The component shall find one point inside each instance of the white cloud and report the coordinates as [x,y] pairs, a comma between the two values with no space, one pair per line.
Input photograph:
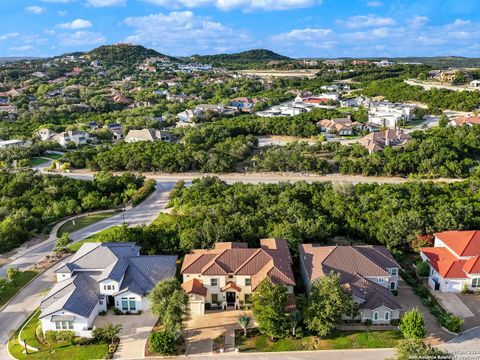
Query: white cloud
[8,36]
[417,21]
[35,9]
[75,24]
[81,38]
[184,33]
[105,3]
[62,12]
[459,23]
[374,3]
[235,4]
[365,21]
[59,1]
[309,34]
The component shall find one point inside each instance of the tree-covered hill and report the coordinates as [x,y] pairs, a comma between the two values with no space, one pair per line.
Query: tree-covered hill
[250,56]
[123,54]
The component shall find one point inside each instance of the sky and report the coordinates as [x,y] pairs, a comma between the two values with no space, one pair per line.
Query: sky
[296,28]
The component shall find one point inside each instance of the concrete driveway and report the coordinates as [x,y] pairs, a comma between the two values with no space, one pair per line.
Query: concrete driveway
[200,330]
[409,300]
[452,303]
[134,334]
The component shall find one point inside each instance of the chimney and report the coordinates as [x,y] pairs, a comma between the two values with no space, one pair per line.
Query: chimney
[387,138]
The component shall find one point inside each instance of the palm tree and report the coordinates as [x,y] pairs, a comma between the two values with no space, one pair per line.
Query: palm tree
[244,321]
[111,331]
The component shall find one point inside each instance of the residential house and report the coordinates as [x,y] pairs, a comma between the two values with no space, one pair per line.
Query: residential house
[388,114]
[454,261]
[245,104]
[474,84]
[377,141]
[72,136]
[334,62]
[369,272]
[46,134]
[465,120]
[11,143]
[227,275]
[98,277]
[360,62]
[148,135]
[384,63]
[116,129]
[340,126]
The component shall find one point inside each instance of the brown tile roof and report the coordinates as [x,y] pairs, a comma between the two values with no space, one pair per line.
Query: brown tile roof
[272,260]
[231,285]
[194,286]
[376,141]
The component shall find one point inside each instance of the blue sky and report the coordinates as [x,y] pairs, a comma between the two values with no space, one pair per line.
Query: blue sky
[298,28]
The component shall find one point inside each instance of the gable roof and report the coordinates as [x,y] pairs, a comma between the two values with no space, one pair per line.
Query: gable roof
[365,260]
[463,243]
[271,260]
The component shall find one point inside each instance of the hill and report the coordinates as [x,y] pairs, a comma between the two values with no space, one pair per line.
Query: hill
[123,54]
[254,56]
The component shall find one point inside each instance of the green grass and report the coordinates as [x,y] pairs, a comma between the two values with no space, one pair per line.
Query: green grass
[53,156]
[93,238]
[9,290]
[84,221]
[35,161]
[340,340]
[57,351]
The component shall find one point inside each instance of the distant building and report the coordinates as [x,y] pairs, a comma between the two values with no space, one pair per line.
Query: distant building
[11,143]
[388,114]
[377,141]
[148,135]
[334,62]
[384,63]
[474,84]
[465,120]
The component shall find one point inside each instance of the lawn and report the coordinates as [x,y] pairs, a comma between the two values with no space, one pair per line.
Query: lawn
[340,340]
[53,156]
[57,351]
[93,238]
[11,288]
[35,161]
[84,221]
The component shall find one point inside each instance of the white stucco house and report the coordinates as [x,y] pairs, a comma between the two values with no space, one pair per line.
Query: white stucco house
[369,272]
[98,277]
[454,261]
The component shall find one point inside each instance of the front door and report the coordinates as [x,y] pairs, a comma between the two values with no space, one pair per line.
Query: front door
[231,297]
[110,301]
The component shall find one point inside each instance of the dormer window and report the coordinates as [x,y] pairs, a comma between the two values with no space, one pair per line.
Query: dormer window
[393,271]
[213,282]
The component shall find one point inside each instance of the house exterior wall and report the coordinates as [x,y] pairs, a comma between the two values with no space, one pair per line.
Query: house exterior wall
[80,324]
[129,296]
[114,287]
[379,315]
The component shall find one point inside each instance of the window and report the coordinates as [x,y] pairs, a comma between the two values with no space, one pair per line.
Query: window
[214,298]
[476,283]
[214,282]
[64,325]
[248,282]
[375,315]
[125,305]
[104,287]
[381,280]
[133,305]
[387,315]
[393,271]
[58,325]
[230,276]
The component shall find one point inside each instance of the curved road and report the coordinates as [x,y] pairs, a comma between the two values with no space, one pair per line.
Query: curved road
[26,301]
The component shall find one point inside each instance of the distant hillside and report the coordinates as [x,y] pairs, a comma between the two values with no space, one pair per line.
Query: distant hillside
[123,54]
[245,57]
[442,62]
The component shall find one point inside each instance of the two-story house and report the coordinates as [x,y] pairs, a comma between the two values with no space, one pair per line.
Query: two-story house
[369,272]
[454,261]
[227,275]
[100,276]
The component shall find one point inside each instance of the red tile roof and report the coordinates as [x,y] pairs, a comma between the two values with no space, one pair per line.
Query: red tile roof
[445,263]
[231,285]
[272,260]
[194,286]
[463,243]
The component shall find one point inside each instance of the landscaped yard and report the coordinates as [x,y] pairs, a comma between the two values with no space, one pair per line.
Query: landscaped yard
[53,156]
[339,340]
[10,289]
[57,351]
[93,238]
[84,221]
[35,161]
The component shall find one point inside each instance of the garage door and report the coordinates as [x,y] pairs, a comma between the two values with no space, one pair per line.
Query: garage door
[197,307]
[454,286]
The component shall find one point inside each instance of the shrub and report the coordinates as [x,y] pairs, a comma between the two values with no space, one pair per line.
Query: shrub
[423,269]
[451,323]
[39,332]
[142,193]
[395,292]
[162,342]
[465,288]
[412,325]
[117,311]
[367,322]
[102,313]
[56,336]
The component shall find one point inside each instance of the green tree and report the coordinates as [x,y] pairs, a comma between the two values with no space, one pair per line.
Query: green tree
[416,349]
[412,325]
[62,242]
[423,269]
[170,303]
[327,301]
[443,120]
[269,301]
[111,332]
[244,321]
[12,274]
[162,342]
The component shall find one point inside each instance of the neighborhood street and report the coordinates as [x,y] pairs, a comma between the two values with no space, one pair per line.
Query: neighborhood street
[26,301]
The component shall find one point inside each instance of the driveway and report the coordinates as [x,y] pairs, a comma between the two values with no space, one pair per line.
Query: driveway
[200,330]
[472,302]
[452,303]
[134,334]
[409,300]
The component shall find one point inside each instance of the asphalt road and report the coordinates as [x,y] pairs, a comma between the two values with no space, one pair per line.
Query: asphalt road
[30,297]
